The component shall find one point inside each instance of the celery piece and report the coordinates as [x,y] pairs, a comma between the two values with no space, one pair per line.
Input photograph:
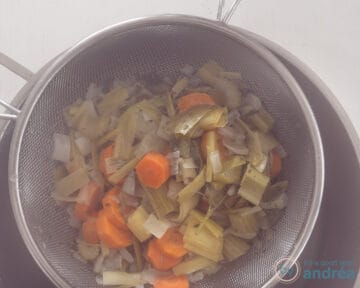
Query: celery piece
[127,126]
[234,247]
[275,190]
[71,183]
[202,242]
[255,155]
[123,171]
[186,205]
[113,101]
[218,186]
[262,120]
[122,278]
[232,171]
[161,204]
[136,222]
[192,265]
[109,136]
[201,219]
[148,107]
[244,221]
[193,187]
[253,185]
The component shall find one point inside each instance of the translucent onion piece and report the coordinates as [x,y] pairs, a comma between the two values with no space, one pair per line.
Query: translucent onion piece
[62,147]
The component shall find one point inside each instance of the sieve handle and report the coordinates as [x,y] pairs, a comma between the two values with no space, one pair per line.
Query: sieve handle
[22,72]
[229,13]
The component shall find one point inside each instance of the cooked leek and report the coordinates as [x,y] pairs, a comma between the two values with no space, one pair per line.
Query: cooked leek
[244,222]
[232,171]
[122,278]
[149,143]
[136,222]
[161,204]
[113,101]
[201,219]
[202,242]
[193,187]
[123,171]
[72,182]
[234,247]
[253,185]
[192,265]
[186,205]
[275,190]
[262,120]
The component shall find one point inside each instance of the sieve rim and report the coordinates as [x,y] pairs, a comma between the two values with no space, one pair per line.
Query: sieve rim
[49,73]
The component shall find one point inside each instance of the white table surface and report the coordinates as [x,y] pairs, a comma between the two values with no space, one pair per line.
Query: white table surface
[325,34]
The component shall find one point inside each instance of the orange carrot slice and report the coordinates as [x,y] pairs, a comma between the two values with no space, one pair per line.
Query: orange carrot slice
[153,170]
[159,259]
[194,99]
[172,243]
[110,235]
[276,164]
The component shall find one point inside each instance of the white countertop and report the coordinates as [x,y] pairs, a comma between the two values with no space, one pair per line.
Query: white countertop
[325,34]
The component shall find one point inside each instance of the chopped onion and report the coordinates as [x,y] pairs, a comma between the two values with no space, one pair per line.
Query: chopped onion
[98,264]
[247,236]
[126,255]
[281,150]
[112,262]
[262,165]
[84,145]
[188,70]
[188,163]
[163,130]
[73,220]
[232,190]
[174,189]
[156,227]
[121,278]
[174,159]
[114,121]
[112,164]
[280,202]
[84,196]
[251,103]
[132,201]
[215,161]
[94,92]
[97,177]
[129,184]
[197,276]
[237,148]
[99,280]
[62,147]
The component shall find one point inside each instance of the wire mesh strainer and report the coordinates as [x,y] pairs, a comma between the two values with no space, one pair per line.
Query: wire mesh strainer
[161,45]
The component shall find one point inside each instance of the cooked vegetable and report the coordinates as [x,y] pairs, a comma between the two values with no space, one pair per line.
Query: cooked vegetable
[275,164]
[171,243]
[110,235]
[124,170]
[244,222]
[153,170]
[161,204]
[155,226]
[159,259]
[192,265]
[122,278]
[194,99]
[171,282]
[234,247]
[253,185]
[62,147]
[72,183]
[186,168]
[203,242]
[136,222]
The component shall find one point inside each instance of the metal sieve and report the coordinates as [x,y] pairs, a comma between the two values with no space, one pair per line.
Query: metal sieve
[161,45]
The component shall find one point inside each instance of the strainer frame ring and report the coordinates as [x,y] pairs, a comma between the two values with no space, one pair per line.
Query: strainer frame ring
[49,73]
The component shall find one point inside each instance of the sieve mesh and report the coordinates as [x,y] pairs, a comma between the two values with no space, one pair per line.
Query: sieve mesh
[162,49]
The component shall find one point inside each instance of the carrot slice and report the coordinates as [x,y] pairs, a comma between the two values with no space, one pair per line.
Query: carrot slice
[194,99]
[172,243]
[171,281]
[153,170]
[87,200]
[107,152]
[110,235]
[276,164]
[111,209]
[159,259]
[88,231]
